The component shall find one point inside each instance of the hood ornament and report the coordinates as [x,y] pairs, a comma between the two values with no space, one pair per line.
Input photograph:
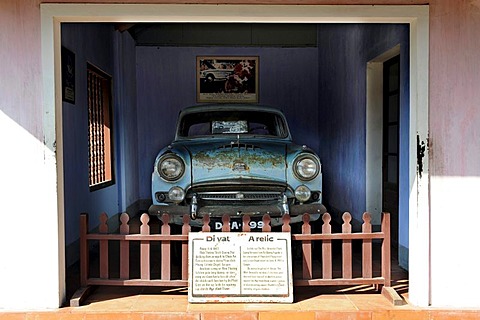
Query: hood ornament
[239,166]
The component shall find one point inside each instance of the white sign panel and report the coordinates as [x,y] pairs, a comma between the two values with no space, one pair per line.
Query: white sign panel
[240,267]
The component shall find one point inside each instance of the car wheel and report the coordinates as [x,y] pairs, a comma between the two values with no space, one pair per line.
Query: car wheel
[209,78]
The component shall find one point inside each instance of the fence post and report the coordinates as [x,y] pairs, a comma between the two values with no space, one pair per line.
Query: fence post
[246,223]
[307,248]
[144,248]
[367,247]
[185,230]
[386,248]
[326,247]
[225,223]
[165,248]
[347,247]
[124,247]
[206,223]
[286,223]
[266,223]
[103,229]
[84,254]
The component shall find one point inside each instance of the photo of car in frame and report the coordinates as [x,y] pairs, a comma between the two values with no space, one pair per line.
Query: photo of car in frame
[227,79]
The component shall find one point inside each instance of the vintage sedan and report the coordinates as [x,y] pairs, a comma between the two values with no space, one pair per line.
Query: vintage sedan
[236,160]
[211,75]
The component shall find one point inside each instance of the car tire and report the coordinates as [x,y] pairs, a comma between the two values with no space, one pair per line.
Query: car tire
[209,78]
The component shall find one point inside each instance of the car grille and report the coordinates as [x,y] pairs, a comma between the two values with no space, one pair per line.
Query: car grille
[239,196]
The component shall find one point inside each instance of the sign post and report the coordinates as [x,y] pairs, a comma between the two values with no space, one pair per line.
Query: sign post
[240,267]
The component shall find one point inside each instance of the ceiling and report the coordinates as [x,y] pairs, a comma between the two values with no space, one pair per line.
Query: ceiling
[222,34]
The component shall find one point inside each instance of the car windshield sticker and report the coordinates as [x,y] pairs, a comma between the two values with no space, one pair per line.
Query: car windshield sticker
[240,126]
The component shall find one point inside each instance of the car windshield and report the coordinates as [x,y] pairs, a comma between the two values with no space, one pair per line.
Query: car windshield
[232,122]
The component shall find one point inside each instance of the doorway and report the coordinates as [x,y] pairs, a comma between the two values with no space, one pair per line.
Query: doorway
[390,149]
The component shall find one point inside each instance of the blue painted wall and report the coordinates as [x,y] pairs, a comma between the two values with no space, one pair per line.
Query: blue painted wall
[99,45]
[344,50]
[382,38]
[321,90]
[288,80]
[125,114]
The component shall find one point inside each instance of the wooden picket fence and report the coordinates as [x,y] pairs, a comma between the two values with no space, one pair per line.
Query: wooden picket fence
[164,277]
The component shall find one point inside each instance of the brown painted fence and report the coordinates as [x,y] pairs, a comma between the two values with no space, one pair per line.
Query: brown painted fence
[307,242]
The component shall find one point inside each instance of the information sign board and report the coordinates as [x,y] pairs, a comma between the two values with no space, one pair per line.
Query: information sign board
[240,267]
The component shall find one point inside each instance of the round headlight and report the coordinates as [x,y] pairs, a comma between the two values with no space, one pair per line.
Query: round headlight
[176,194]
[171,167]
[306,167]
[302,193]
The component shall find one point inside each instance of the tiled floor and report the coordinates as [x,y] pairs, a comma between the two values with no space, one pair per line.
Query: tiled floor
[327,303]
[307,299]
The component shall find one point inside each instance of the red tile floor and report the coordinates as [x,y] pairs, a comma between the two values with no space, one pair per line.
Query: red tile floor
[321,303]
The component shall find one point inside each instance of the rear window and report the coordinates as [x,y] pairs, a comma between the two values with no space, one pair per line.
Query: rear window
[232,123]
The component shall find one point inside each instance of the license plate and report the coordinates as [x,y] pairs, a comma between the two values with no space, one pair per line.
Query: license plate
[256,224]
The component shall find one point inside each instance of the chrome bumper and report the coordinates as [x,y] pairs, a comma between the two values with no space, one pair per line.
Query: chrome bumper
[276,212]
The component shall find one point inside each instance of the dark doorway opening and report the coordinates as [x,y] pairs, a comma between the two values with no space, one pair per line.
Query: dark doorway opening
[390,176]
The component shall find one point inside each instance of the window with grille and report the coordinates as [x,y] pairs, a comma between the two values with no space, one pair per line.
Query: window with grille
[100,169]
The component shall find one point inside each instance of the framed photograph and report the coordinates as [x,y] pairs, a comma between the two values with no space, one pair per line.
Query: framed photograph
[68,75]
[227,79]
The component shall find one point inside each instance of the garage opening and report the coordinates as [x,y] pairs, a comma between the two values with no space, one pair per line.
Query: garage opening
[328,134]
[304,69]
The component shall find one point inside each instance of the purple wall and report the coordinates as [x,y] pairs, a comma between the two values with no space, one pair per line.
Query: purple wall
[288,80]
[321,90]
[125,92]
[92,43]
[99,45]
[344,50]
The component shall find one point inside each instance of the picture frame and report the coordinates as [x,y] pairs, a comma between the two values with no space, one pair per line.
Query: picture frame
[68,76]
[227,79]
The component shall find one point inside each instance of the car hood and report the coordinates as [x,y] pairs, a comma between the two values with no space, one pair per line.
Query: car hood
[234,159]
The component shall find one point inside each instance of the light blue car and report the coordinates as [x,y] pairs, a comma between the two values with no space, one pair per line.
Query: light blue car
[238,160]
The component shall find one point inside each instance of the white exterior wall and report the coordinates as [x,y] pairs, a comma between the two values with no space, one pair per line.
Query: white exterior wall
[31,253]
[455,153]
[30,224]
[455,257]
